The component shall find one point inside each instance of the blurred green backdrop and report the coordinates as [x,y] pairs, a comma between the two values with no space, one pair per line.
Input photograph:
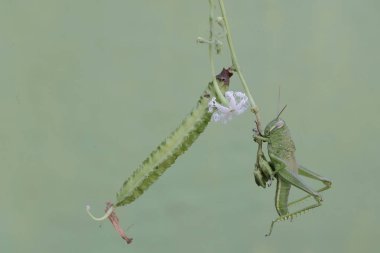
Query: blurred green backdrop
[89,88]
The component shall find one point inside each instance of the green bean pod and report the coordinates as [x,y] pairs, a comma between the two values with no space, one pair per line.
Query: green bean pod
[173,146]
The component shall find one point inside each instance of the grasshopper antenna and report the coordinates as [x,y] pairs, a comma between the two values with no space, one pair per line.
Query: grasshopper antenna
[278,115]
[278,99]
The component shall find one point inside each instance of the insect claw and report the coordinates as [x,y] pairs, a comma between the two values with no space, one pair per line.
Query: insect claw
[318,198]
[269,183]
[271,227]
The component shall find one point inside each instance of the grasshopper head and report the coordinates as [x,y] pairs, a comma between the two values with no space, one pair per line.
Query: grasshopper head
[275,125]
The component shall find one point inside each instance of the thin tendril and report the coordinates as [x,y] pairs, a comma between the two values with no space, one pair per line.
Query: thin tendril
[105,216]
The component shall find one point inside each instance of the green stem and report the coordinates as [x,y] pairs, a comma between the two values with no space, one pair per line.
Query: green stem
[236,67]
[219,94]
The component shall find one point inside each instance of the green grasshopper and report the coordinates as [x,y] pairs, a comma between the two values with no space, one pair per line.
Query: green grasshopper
[284,167]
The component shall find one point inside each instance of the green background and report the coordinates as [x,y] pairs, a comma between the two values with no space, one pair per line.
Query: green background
[89,88]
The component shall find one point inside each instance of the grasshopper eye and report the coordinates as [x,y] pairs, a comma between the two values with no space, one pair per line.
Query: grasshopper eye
[279,124]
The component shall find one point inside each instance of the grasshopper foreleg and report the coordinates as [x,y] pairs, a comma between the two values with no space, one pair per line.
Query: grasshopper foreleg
[263,171]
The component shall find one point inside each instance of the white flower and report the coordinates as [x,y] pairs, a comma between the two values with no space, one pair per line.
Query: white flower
[237,104]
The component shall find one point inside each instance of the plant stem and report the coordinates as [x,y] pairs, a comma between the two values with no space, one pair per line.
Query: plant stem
[219,94]
[236,67]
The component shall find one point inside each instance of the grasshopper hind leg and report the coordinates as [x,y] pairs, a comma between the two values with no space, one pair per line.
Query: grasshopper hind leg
[302,171]
[292,215]
[286,178]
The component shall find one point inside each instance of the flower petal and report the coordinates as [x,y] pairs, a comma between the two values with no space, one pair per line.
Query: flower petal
[237,104]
